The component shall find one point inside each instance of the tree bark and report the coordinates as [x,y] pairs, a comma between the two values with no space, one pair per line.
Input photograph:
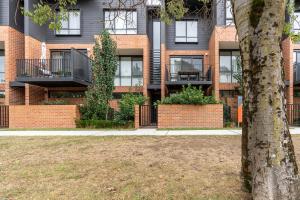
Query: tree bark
[269,166]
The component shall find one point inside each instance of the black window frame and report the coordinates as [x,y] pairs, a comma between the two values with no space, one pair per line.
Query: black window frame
[231,66]
[186,37]
[68,29]
[113,31]
[296,21]
[228,20]
[2,54]
[119,76]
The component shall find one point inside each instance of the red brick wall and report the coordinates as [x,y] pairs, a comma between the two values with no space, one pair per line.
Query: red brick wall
[136,116]
[190,116]
[43,116]
[34,95]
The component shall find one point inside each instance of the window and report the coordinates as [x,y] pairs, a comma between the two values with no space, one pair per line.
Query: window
[296,59]
[66,94]
[2,94]
[71,25]
[121,22]
[185,63]
[229,16]
[129,71]
[2,66]
[228,66]
[296,23]
[186,31]
[153,2]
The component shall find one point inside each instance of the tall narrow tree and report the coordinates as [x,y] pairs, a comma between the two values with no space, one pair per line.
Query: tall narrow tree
[104,65]
[269,163]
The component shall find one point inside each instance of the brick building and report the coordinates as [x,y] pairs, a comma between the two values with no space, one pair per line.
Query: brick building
[156,59]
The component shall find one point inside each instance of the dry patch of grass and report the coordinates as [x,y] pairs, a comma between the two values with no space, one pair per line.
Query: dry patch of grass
[139,168]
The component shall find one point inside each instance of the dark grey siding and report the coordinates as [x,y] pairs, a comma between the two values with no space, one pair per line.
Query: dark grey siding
[16,19]
[4,12]
[92,17]
[221,12]
[204,32]
[31,29]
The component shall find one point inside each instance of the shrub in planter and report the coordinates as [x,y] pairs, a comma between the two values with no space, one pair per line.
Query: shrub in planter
[126,106]
[189,95]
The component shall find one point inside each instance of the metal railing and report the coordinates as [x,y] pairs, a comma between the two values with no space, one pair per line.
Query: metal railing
[186,74]
[77,66]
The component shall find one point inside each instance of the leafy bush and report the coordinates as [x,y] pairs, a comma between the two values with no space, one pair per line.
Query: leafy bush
[126,106]
[189,95]
[102,124]
[56,102]
[98,112]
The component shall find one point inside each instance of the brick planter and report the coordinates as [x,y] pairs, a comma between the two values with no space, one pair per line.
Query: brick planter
[190,116]
[43,116]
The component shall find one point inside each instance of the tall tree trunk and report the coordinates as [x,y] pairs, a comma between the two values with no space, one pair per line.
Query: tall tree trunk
[268,158]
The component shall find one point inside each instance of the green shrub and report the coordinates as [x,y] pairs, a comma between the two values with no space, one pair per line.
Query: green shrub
[126,106]
[189,95]
[56,102]
[98,112]
[102,124]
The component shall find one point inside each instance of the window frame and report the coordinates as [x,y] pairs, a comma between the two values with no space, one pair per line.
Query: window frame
[119,76]
[2,51]
[186,36]
[70,29]
[228,20]
[231,66]
[113,30]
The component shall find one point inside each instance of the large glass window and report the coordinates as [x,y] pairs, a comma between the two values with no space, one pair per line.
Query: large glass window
[2,66]
[296,59]
[121,21]
[70,26]
[229,16]
[296,23]
[186,31]
[185,64]
[229,66]
[129,71]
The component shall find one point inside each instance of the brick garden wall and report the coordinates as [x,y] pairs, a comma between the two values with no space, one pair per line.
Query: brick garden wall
[43,116]
[190,116]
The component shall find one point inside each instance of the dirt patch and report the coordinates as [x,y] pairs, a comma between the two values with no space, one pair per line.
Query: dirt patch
[158,168]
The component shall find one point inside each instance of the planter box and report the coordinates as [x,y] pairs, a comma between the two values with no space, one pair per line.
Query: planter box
[43,116]
[190,116]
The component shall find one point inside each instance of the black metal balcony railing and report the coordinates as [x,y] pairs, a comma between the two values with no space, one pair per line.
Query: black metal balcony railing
[77,67]
[186,75]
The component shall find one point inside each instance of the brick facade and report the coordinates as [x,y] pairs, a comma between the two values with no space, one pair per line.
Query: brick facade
[43,116]
[190,116]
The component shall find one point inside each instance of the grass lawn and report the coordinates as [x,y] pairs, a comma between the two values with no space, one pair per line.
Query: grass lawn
[138,168]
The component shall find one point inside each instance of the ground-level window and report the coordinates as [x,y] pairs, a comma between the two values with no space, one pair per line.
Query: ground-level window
[2,66]
[296,59]
[229,65]
[129,71]
[66,94]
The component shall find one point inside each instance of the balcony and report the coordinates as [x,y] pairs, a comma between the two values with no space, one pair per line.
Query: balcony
[185,76]
[72,71]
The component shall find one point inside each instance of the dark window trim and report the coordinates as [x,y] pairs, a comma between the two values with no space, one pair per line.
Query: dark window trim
[231,70]
[132,76]
[80,21]
[186,37]
[126,29]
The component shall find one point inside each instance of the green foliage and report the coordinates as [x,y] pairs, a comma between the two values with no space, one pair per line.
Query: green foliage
[103,124]
[126,105]
[56,102]
[104,67]
[189,95]
[46,13]
[239,74]
[174,9]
